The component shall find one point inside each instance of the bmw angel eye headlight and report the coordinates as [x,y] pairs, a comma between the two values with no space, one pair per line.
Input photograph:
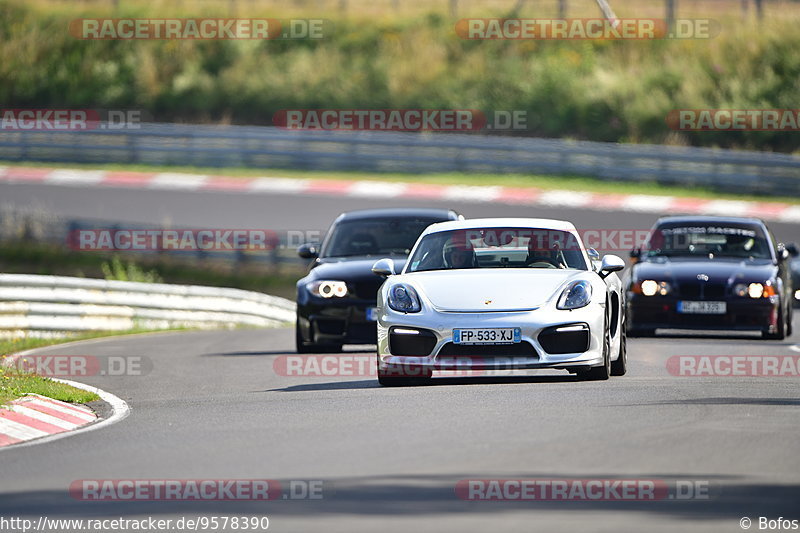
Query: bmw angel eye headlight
[328,288]
[651,288]
[404,298]
[754,290]
[576,295]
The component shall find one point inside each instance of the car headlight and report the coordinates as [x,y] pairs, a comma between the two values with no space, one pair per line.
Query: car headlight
[327,288]
[404,298]
[577,294]
[651,288]
[797,294]
[754,290]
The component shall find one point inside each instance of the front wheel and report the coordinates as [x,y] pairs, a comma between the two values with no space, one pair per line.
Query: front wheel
[398,376]
[789,319]
[620,366]
[780,330]
[602,372]
[304,347]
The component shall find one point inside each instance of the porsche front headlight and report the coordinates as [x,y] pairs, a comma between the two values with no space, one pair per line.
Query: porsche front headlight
[404,298]
[575,295]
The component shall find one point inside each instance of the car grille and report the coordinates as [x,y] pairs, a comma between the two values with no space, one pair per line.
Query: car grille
[702,291]
[561,342]
[419,345]
[519,349]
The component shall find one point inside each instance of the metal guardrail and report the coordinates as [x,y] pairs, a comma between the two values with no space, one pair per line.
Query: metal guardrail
[32,304]
[268,147]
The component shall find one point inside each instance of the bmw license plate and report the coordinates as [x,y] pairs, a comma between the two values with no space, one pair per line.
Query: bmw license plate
[702,308]
[372,314]
[486,336]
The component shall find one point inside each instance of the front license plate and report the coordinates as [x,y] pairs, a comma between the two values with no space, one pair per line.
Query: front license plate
[486,336]
[372,314]
[702,308]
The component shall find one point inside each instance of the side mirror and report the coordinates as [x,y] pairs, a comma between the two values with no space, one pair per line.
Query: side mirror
[792,249]
[610,263]
[383,268]
[594,257]
[308,251]
[783,253]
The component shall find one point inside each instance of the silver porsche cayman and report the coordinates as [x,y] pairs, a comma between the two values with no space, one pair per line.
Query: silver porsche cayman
[501,293]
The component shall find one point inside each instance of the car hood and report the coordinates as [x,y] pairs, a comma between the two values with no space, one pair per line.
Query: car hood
[351,268]
[491,290]
[719,270]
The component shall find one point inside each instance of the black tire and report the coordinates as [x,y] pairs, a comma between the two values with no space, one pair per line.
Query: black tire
[390,378]
[299,345]
[780,333]
[789,319]
[307,347]
[602,372]
[620,366]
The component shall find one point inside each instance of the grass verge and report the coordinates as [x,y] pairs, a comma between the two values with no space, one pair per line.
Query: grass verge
[544,182]
[15,383]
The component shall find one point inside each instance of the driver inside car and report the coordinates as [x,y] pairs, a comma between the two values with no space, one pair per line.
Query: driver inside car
[459,256]
[540,257]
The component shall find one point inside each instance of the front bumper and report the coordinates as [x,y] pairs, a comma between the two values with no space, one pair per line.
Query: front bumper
[529,353]
[652,312]
[337,322]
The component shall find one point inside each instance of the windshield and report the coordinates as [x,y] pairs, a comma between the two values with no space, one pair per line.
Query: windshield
[730,240]
[498,248]
[373,237]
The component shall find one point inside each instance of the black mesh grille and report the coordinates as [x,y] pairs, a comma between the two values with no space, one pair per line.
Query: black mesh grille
[559,342]
[702,291]
[418,345]
[519,349]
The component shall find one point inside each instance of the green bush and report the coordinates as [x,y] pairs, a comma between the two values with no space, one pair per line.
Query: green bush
[599,90]
[116,270]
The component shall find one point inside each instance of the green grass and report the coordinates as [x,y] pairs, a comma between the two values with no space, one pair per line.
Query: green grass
[545,182]
[14,384]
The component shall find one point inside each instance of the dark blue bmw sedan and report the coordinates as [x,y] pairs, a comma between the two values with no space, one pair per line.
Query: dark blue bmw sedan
[711,273]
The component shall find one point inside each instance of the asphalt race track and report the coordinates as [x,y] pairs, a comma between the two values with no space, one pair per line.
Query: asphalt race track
[212,406]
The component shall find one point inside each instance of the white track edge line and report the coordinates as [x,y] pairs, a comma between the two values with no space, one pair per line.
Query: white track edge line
[119,411]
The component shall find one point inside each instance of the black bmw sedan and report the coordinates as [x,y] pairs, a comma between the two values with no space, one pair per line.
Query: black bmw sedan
[711,273]
[336,300]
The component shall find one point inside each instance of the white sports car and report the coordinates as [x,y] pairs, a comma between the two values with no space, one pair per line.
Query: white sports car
[500,293]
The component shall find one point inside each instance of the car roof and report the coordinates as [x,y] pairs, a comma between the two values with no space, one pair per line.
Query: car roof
[472,223]
[398,212]
[687,219]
